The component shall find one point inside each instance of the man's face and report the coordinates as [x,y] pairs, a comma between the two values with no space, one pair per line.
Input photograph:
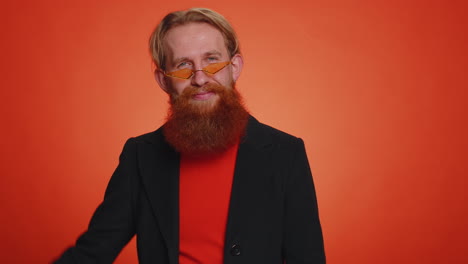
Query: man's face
[206,115]
[195,45]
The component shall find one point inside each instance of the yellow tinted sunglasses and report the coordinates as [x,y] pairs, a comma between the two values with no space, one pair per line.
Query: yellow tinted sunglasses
[188,73]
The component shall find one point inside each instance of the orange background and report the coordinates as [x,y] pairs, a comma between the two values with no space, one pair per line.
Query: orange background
[377,89]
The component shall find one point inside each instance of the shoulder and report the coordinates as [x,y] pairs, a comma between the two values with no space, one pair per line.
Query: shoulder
[153,137]
[143,141]
[260,132]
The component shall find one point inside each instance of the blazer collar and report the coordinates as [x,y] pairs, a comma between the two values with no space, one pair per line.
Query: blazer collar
[255,136]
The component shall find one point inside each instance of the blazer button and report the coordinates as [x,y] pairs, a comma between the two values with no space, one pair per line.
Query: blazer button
[235,250]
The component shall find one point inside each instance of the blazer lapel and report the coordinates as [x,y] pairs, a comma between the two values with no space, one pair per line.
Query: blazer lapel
[251,161]
[159,165]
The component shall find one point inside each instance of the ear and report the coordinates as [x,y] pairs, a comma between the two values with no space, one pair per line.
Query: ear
[161,79]
[237,63]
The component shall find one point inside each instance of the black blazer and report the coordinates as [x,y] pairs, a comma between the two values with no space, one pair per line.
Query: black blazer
[272,217]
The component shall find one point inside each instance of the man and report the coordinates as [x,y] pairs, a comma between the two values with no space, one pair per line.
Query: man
[213,185]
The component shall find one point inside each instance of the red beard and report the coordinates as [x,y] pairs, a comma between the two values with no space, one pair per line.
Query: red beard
[205,128]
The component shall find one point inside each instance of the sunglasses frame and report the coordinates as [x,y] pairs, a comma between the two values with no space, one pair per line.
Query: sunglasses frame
[204,69]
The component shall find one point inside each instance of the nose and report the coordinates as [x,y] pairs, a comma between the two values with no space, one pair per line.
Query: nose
[199,78]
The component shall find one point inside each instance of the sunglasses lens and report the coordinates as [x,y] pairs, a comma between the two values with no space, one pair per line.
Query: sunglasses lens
[187,73]
[215,67]
[182,74]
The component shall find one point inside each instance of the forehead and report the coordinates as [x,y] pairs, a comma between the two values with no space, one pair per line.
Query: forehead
[192,40]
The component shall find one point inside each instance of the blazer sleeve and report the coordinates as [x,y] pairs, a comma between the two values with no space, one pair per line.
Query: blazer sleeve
[112,224]
[303,240]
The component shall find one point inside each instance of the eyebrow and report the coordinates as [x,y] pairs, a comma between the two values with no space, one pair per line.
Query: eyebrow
[212,52]
[178,60]
[206,54]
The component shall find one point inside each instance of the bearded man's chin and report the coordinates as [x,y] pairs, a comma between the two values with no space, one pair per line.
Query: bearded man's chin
[205,127]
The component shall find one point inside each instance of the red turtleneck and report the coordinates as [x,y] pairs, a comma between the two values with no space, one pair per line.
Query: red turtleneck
[205,190]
